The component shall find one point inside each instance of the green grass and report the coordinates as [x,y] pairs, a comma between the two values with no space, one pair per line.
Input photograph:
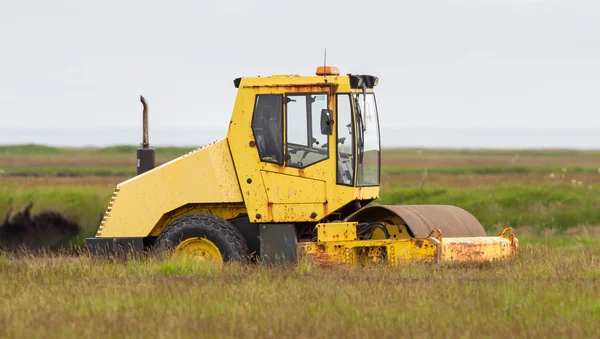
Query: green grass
[551,291]
[492,169]
[490,152]
[35,149]
[70,171]
[128,170]
[543,207]
[167,151]
[30,149]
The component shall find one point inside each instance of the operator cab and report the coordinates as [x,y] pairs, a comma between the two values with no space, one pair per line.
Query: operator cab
[294,128]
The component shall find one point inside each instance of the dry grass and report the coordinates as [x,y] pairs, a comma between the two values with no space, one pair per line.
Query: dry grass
[552,290]
[471,160]
[82,157]
[106,181]
[63,161]
[39,161]
[389,180]
[395,180]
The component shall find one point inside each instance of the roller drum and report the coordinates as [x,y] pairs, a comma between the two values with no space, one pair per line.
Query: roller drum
[420,220]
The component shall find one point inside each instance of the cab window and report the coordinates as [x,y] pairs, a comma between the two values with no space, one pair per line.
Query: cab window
[345,146]
[267,126]
[304,141]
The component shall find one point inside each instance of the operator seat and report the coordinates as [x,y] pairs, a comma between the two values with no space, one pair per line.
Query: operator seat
[273,133]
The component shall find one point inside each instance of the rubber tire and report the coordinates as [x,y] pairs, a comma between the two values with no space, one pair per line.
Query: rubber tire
[222,233]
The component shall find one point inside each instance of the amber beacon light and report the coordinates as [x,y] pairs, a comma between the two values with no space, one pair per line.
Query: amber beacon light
[328,70]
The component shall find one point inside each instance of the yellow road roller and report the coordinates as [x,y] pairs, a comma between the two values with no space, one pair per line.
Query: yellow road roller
[296,176]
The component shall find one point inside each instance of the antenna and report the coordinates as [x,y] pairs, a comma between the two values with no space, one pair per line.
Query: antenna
[325,66]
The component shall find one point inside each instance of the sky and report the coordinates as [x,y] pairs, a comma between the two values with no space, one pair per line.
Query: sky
[441,64]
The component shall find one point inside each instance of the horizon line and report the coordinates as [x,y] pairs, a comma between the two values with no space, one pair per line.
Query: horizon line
[382,127]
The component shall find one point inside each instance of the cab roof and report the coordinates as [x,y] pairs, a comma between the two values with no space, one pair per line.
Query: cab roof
[324,76]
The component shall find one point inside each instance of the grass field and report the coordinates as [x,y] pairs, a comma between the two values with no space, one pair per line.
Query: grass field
[553,290]
[551,198]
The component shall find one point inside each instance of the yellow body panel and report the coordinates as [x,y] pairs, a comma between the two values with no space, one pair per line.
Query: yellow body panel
[206,175]
[337,231]
[287,189]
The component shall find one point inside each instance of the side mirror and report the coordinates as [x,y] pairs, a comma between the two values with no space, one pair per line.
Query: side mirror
[326,122]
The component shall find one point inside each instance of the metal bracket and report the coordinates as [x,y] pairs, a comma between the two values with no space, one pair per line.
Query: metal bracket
[433,234]
[511,236]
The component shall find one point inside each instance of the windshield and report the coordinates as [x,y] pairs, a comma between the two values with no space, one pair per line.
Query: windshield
[368,141]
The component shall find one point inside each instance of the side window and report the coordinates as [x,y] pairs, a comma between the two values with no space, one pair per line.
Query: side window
[345,146]
[267,127]
[305,143]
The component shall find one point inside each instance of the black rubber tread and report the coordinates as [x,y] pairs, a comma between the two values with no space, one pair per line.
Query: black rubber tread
[222,233]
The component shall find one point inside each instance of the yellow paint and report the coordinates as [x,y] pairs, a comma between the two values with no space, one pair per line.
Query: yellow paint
[336,231]
[206,175]
[412,250]
[367,252]
[288,189]
[400,252]
[200,249]
[475,249]
[479,249]
[395,228]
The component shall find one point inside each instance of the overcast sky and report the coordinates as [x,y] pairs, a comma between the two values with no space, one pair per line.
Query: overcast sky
[463,63]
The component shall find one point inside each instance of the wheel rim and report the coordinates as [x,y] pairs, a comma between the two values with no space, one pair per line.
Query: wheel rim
[200,249]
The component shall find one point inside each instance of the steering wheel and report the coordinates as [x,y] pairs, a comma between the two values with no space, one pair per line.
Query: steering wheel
[340,140]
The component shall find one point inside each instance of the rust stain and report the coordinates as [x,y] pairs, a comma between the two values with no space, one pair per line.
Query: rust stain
[292,192]
[478,250]
[322,256]
[419,243]
[310,87]
[270,210]
[333,88]
[301,172]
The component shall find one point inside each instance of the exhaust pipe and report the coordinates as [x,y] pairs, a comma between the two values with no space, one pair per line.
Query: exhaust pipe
[145,155]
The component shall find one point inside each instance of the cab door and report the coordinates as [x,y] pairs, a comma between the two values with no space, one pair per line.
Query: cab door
[287,167]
